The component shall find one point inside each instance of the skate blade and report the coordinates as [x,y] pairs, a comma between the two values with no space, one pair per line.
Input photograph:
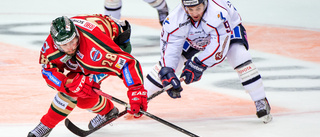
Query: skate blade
[267,118]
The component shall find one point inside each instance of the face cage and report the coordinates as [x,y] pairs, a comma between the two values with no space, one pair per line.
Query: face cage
[59,47]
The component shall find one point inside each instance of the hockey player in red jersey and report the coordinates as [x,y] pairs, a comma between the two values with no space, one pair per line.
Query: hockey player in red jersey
[82,47]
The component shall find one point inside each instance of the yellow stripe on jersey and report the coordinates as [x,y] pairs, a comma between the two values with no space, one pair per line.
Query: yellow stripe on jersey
[61,102]
[100,106]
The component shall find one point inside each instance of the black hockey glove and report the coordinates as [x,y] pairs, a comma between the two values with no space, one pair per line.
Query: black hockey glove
[168,77]
[193,70]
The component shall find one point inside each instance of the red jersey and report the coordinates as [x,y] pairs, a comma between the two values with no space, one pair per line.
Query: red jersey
[97,53]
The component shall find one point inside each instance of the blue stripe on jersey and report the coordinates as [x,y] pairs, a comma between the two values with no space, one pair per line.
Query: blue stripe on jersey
[127,75]
[51,77]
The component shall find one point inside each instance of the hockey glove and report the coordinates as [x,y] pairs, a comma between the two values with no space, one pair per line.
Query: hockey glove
[193,70]
[138,100]
[83,86]
[168,77]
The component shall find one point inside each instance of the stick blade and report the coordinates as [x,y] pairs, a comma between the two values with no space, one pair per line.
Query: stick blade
[74,129]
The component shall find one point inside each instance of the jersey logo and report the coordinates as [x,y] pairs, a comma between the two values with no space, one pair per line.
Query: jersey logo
[59,102]
[80,54]
[166,21]
[51,77]
[89,26]
[95,54]
[219,55]
[127,75]
[83,23]
[120,63]
[221,16]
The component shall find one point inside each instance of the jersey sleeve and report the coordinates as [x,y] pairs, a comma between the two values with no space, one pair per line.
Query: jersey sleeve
[52,70]
[173,36]
[172,46]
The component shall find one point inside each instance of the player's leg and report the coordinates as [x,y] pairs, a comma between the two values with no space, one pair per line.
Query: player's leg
[113,8]
[60,108]
[161,7]
[240,59]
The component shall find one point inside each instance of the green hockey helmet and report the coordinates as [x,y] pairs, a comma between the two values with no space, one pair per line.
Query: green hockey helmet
[63,31]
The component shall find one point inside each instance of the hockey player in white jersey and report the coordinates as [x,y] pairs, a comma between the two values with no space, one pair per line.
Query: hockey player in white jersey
[199,34]
[113,8]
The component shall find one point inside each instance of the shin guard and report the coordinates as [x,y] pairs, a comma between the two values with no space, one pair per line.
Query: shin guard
[60,108]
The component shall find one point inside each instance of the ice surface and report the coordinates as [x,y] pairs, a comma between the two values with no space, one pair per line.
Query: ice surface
[292,85]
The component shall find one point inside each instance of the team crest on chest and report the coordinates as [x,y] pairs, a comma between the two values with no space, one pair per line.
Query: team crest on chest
[95,54]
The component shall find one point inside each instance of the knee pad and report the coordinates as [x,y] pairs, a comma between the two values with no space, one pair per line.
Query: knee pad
[237,54]
[87,103]
[158,4]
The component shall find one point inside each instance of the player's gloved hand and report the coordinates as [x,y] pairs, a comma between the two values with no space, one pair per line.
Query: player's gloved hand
[83,86]
[193,70]
[138,100]
[168,77]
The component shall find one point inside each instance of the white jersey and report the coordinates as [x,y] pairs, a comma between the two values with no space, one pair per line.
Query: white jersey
[211,35]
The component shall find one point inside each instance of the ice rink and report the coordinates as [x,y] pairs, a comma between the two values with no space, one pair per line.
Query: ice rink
[284,39]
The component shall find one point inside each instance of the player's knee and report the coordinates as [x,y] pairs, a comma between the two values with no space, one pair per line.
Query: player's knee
[87,103]
[237,54]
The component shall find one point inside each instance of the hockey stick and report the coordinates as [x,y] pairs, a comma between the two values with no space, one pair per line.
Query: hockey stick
[148,114]
[82,133]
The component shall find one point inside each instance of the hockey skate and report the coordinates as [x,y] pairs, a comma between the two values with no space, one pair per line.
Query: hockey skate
[40,131]
[100,120]
[163,13]
[263,110]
